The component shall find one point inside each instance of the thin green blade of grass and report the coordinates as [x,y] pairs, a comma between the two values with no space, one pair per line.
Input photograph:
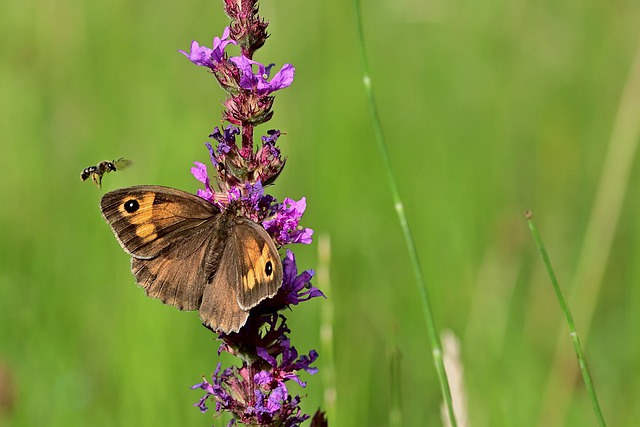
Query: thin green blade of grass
[406,231]
[575,338]
[599,233]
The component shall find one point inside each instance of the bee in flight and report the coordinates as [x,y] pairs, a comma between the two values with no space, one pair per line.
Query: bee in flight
[106,166]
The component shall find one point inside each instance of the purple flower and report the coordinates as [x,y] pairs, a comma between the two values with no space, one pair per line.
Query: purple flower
[262,399]
[212,154]
[255,196]
[296,288]
[271,402]
[277,398]
[269,154]
[271,138]
[226,140]
[284,226]
[289,364]
[210,58]
[200,173]
[258,82]
[257,392]
[215,389]
[251,201]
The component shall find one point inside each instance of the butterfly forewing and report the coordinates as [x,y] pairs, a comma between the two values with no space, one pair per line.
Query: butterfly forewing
[169,235]
[144,217]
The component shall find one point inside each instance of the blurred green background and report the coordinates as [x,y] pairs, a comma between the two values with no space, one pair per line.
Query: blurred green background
[490,108]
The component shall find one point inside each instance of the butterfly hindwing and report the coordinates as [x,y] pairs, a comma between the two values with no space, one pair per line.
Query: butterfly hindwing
[259,265]
[220,310]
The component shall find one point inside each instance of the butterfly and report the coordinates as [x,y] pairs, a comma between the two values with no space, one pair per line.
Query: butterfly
[188,253]
[105,166]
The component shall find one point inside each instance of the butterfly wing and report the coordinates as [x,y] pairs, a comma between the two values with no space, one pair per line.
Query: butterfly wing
[219,309]
[187,254]
[250,271]
[258,263]
[175,238]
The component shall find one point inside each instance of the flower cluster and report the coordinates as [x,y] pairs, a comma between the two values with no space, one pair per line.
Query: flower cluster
[247,81]
[256,392]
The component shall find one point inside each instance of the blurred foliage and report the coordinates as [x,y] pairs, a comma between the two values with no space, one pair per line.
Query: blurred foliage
[490,108]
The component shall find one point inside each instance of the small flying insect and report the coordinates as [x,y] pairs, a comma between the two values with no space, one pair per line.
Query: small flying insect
[106,166]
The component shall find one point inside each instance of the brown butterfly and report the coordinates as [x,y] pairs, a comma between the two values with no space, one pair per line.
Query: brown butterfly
[105,166]
[187,253]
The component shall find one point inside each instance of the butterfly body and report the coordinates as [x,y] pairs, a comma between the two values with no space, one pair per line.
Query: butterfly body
[189,254]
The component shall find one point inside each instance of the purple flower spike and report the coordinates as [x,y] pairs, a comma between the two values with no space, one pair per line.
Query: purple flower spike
[256,391]
[206,57]
[259,82]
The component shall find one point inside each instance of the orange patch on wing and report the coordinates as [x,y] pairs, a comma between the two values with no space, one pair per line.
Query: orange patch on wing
[249,281]
[144,212]
[147,232]
[257,258]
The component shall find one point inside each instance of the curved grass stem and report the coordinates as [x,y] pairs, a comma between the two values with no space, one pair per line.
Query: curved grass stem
[399,208]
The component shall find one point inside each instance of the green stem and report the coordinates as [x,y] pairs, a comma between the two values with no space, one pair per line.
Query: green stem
[595,251]
[575,339]
[413,254]
[327,327]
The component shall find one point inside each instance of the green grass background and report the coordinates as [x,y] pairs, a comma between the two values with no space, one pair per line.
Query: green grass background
[490,108]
